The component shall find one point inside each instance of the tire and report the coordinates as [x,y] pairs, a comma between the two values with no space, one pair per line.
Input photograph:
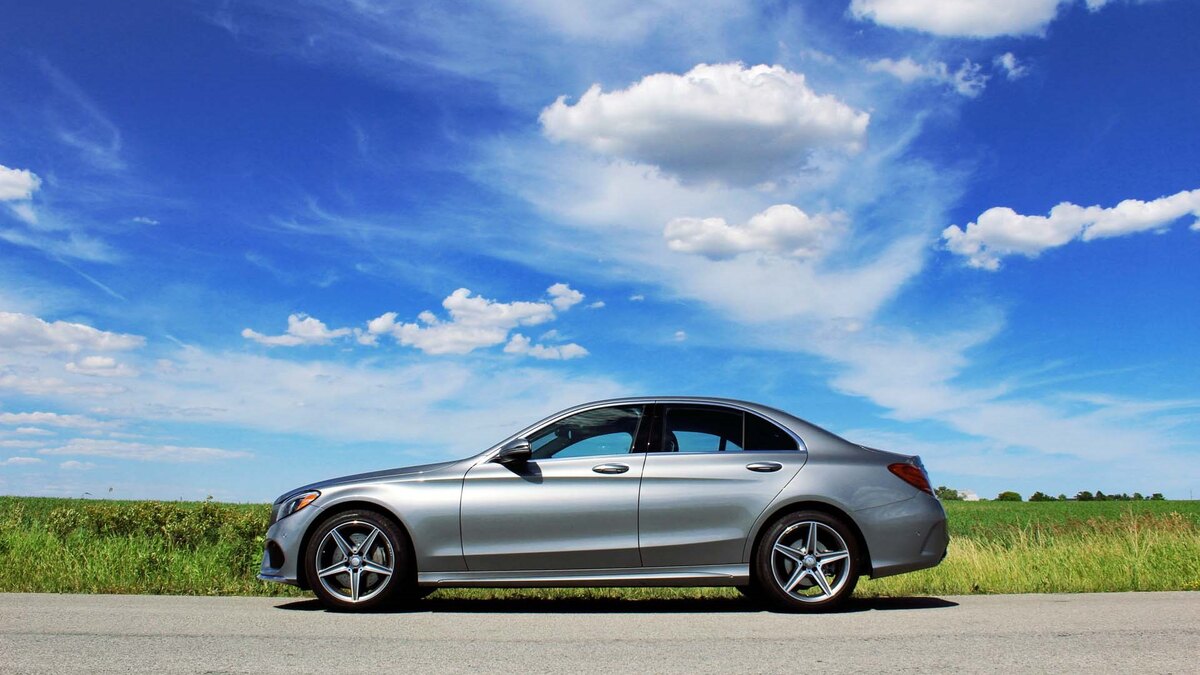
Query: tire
[363,544]
[789,576]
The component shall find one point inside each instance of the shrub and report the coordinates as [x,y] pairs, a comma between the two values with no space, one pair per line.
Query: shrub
[1008,496]
[947,494]
[1040,497]
[64,520]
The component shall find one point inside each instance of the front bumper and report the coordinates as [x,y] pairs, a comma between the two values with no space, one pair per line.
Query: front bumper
[282,549]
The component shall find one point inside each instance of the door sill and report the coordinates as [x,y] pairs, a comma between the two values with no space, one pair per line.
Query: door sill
[697,575]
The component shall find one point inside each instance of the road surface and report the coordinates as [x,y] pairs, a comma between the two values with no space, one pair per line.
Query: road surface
[1142,632]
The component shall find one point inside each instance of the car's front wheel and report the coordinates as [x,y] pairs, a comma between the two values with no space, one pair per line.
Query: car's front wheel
[807,561]
[358,560]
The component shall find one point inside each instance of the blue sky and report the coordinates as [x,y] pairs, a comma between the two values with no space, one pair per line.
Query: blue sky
[246,245]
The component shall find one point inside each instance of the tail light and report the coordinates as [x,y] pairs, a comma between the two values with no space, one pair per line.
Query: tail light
[912,474]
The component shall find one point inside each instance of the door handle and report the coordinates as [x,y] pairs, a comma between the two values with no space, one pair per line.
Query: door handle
[610,468]
[764,467]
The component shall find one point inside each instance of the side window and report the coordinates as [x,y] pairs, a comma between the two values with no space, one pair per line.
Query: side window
[606,431]
[697,429]
[763,435]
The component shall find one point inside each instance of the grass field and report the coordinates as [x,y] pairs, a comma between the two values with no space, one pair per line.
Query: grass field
[91,546]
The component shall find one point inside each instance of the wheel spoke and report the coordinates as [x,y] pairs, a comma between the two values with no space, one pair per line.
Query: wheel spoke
[832,557]
[797,577]
[819,575]
[342,544]
[372,566]
[790,552]
[336,568]
[811,546]
[365,547]
[355,576]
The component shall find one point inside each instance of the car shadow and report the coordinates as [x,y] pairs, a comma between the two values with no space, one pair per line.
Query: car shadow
[535,605]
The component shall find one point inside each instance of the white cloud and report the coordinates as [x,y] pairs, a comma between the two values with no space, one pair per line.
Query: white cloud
[51,419]
[1010,66]
[25,333]
[76,465]
[380,325]
[19,461]
[17,184]
[722,122]
[679,336]
[563,297]
[637,297]
[519,344]
[301,330]
[1001,231]
[969,18]
[32,431]
[475,322]
[961,18]
[100,366]
[782,230]
[144,220]
[968,79]
[146,452]
[599,304]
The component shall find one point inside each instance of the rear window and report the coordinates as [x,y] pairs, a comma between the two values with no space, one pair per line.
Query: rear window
[764,435]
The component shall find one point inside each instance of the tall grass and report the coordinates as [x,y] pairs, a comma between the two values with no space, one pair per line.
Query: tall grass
[206,548]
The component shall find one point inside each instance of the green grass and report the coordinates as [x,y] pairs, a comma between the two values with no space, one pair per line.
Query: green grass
[93,546]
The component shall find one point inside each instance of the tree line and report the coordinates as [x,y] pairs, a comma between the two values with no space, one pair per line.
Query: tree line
[950,494]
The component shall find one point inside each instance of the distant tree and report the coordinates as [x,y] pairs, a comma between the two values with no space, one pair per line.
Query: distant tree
[1040,497]
[1084,496]
[1137,497]
[1157,497]
[948,494]
[1062,497]
[1008,496]
[1101,497]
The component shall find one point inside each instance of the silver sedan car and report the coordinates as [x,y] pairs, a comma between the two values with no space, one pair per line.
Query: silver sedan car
[632,492]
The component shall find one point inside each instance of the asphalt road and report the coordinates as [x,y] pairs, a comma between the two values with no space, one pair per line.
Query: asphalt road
[1143,632]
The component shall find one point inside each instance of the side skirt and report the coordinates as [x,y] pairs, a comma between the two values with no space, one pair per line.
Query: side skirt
[700,575]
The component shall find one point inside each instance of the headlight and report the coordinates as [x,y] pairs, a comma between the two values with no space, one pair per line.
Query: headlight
[297,502]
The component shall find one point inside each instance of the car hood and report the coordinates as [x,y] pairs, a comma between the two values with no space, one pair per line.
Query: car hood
[370,476]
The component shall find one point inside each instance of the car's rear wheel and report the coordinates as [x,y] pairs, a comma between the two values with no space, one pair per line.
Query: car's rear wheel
[359,560]
[807,561]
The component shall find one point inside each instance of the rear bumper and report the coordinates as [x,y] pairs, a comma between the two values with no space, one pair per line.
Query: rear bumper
[906,536]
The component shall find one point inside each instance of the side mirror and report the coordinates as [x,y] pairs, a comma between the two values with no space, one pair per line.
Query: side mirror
[515,451]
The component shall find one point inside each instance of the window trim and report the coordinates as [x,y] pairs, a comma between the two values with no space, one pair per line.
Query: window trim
[641,425]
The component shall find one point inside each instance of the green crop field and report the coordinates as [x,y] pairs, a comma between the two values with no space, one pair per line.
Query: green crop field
[94,546]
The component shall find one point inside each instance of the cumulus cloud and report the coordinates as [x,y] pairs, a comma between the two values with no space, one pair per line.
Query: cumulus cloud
[100,366]
[475,321]
[28,334]
[145,452]
[1012,68]
[76,465]
[960,18]
[520,344]
[722,122]
[17,184]
[301,330]
[1001,231]
[968,18]
[968,79]
[50,419]
[782,230]
[563,297]
[19,461]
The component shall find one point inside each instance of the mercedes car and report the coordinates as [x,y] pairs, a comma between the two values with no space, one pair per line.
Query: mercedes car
[656,491]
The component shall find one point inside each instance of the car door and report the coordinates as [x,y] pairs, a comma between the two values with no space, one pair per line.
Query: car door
[572,505]
[702,489]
